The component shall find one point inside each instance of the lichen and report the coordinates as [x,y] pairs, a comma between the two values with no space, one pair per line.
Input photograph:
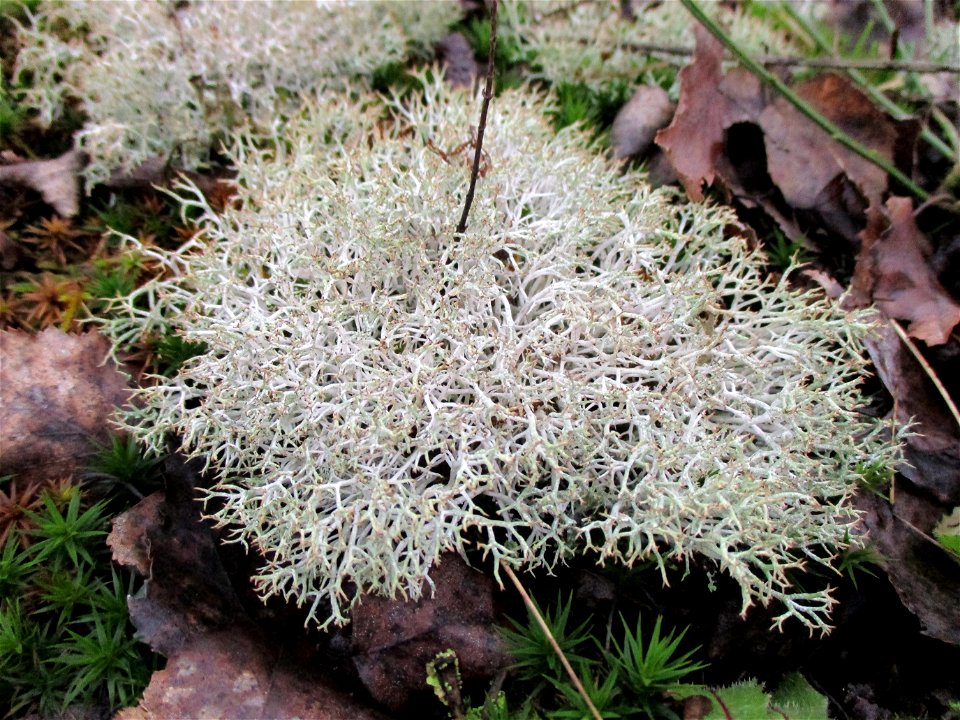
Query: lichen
[170,79]
[593,44]
[595,367]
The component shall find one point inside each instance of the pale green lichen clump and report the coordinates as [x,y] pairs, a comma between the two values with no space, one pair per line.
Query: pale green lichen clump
[168,79]
[592,43]
[593,367]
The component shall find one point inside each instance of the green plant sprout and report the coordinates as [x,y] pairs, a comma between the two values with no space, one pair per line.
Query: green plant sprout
[123,462]
[533,653]
[65,635]
[947,532]
[443,676]
[875,477]
[604,696]
[653,667]
[785,253]
[793,699]
[60,536]
[104,653]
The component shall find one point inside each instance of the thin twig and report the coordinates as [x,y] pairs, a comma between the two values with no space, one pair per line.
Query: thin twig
[917,66]
[915,351]
[800,104]
[553,642]
[487,94]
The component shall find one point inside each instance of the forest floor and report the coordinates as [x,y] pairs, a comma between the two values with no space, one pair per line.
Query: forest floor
[894,651]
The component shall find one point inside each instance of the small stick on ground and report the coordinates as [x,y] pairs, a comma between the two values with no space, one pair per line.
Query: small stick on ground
[552,640]
[487,94]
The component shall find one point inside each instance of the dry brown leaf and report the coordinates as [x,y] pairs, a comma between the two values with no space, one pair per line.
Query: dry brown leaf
[228,674]
[803,161]
[893,271]
[220,664]
[393,640]
[56,180]
[925,576]
[728,127]
[644,114]
[128,538]
[710,102]
[933,448]
[57,394]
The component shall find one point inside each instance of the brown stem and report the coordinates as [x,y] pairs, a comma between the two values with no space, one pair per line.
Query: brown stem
[487,94]
[918,66]
[528,601]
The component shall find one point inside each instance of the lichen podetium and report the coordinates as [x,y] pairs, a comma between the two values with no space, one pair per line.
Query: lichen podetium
[593,367]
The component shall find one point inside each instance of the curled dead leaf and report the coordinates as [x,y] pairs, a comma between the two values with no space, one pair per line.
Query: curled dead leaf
[894,272]
[56,180]
[926,578]
[647,111]
[393,640]
[729,127]
[803,161]
[933,447]
[710,102]
[219,662]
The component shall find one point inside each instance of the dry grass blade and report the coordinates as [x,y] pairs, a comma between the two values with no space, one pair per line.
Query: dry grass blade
[915,351]
[553,641]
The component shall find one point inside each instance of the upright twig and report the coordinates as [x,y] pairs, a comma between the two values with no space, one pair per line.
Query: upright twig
[800,104]
[487,94]
[551,639]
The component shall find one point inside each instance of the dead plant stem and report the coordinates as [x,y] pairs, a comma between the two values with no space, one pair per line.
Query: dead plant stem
[915,351]
[552,640]
[487,94]
[917,66]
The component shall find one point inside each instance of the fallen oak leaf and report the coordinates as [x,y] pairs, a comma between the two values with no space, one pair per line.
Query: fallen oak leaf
[733,128]
[803,161]
[56,180]
[893,272]
[710,102]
